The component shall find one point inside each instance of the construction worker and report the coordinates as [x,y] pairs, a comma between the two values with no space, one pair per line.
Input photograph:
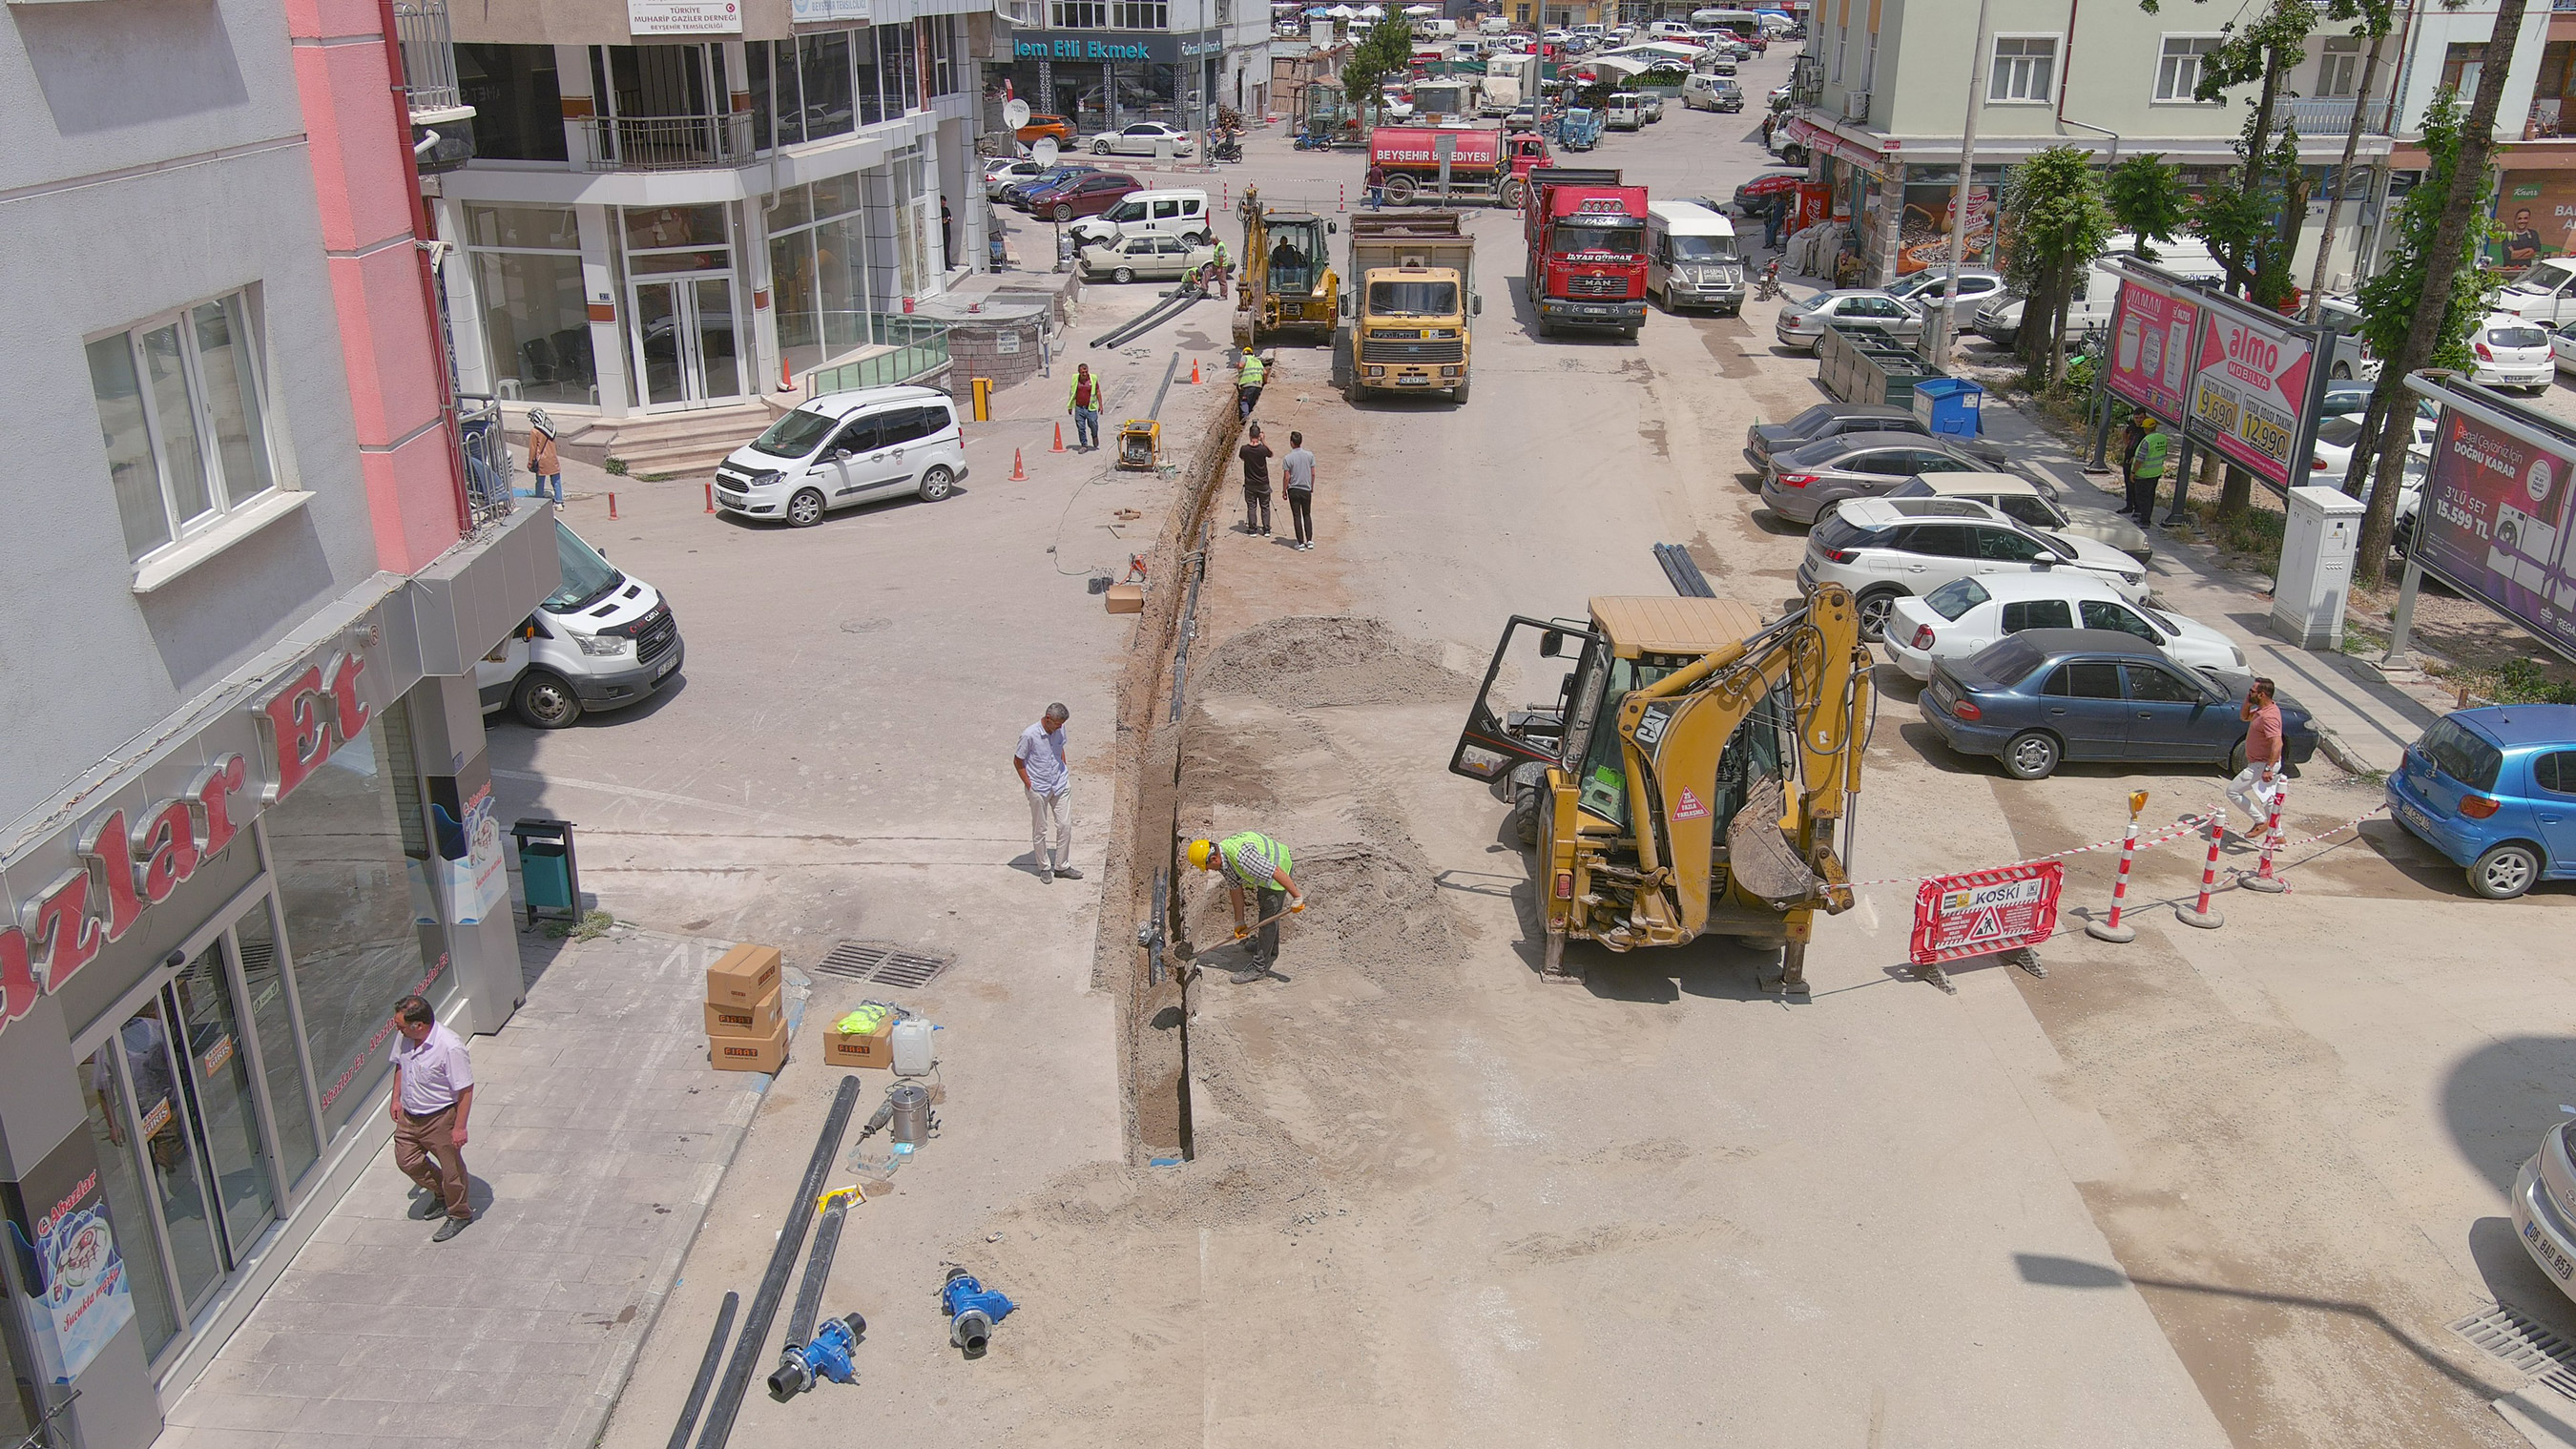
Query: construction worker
[2147,469]
[1249,374]
[1256,863]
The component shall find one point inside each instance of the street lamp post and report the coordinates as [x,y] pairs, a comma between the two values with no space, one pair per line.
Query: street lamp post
[1942,325]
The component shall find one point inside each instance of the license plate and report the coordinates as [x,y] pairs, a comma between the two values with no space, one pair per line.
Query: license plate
[2547,1251]
[1413,382]
[667,666]
[2415,818]
[727,500]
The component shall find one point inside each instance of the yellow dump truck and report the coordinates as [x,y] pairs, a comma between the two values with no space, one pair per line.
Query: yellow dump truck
[1411,293]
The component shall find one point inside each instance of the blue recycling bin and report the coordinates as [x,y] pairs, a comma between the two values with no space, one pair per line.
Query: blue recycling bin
[1949,405]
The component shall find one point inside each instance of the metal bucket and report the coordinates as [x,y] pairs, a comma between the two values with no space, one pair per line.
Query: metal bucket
[912,1119]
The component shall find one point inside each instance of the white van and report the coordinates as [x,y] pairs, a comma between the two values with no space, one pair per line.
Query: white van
[1495,25]
[1691,260]
[846,448]
[1712,93]
[601,640]
[1435,29]
[1179,214]
[1626,112]
[2090,311]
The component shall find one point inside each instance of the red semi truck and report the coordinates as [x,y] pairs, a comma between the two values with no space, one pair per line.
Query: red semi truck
[1587,249]
[1484,164]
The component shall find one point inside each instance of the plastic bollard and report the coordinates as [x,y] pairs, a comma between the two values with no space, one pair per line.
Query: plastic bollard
[2111,930]
[2201,915]
[2262,879]
[612,505]
[711,498]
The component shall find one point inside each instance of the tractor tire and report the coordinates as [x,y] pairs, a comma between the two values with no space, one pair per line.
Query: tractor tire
[1528,798]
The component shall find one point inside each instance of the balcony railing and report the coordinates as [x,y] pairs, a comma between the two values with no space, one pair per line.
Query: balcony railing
[487,458]
[920,349]
[429,59]
[2319,119]
[667,143]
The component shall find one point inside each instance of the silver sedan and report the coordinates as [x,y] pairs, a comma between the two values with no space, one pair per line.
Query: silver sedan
[1801,483]
[1854,310]
[1142,139]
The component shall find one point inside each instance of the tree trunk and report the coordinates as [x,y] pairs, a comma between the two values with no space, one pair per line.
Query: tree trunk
[2294,220]
[2441,275]
[2258,148]
[2238,493]
[2365,446]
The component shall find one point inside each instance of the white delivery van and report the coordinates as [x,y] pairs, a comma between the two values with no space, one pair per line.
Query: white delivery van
[1999,320]
[1495,25]
[1626,112]
[1691,260]
[602,640]
[1435,29]
[846,448]
[1712,93]
[1182,215]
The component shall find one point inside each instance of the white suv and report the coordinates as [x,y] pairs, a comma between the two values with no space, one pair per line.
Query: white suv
[1883,549]
[845,448]
[1963,616]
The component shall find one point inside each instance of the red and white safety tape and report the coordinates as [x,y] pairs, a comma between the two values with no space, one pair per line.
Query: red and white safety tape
[2188,825]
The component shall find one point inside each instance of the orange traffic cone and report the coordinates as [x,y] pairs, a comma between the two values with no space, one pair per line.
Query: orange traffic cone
[1059,439]
[1019,473]
[1194,371]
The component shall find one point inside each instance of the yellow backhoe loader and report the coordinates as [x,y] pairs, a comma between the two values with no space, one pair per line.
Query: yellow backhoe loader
[1286,276]
[1689,776]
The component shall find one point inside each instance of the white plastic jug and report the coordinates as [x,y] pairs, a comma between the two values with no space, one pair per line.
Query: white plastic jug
[913,1056]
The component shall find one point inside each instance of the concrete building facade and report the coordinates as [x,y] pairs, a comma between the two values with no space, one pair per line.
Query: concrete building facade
[247,769]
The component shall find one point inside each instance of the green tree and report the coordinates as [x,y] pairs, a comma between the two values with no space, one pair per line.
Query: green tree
[2058,222]
[2147,200]
[1385,49]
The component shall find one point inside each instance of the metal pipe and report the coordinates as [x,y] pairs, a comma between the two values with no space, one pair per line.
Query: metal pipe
[773,1284]
[706,1373]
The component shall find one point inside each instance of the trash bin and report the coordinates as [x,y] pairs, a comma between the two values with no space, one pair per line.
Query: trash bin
[549,874]
[1949,405]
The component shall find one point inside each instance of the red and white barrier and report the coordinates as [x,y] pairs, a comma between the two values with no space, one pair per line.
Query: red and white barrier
[2201,915]
[2111,930]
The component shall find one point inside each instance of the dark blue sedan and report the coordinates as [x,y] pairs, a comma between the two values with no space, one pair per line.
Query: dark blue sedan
[2044,696]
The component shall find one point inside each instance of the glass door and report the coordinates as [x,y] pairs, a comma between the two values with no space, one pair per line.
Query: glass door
[226,1115]
[684,341]
[158,1119]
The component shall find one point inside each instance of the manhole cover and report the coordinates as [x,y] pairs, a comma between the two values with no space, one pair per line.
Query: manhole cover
[880,964]
[2523,1343]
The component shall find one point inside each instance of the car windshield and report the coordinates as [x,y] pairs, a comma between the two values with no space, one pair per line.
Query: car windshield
[1413,299]
[1806,423]
[586,575]
[1620,237]
[2459,752]
[2546,277]
[1956,597]
[1703,248]
[794,435]
[2008,662]
[2339,431]
[2518,336]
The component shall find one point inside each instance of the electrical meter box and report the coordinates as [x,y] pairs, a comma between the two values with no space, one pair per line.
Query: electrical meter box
[2317,550]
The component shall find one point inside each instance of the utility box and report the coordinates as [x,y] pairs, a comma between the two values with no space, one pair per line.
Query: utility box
[2317,549]
[1951,405]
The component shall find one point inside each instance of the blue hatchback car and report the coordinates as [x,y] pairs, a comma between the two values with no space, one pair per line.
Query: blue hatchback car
[2495,790]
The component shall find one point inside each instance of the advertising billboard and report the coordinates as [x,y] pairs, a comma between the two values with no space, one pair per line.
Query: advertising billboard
[2254,392]
[2151,340]
[2496,523]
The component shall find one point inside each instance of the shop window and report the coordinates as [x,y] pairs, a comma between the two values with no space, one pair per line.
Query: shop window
[181,407]
[528,282]
[818,272]
[518,105]
[1140,15]
[2024,70]
[1081,14]
[2178,72]
[361,926]
[895,66]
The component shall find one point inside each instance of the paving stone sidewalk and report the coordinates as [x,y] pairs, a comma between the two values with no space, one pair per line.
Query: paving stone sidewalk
[599,1135]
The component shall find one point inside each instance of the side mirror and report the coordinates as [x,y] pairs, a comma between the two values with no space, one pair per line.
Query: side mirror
[1551,645]
[1333,227]
[840,455]
[1476,306]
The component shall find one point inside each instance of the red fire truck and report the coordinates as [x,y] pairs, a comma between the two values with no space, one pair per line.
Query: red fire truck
[1484,164]
[1587,249]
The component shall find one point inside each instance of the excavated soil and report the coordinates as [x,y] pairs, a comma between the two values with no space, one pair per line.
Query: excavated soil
[1309,661]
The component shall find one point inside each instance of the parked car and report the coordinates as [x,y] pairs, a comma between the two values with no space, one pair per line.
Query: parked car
[1145,138]
[1883,549]
[2024,501]
[1017,193]
[2331,459]
[1960,618]
[604,639]
[1763,441]
[845,448]
[1626,112]
[1929,285]
[2544,293]
[2544,1206]
[2090,309]
[1003,172]
[2045,696]
[1859,308]
[2511,352]
[1712,93]
[2353,359]
[2495,790]
[1654,105]
[1832,471]
[1182,214]
[2562,346]
[1083,196]
[1045,128]
[1143,258]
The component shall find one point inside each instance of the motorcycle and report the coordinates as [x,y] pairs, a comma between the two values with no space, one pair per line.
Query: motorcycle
[1766,288]
[1228,147]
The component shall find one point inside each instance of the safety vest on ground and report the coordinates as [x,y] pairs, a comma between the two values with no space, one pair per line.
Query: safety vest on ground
[1253,856]
[2150,457]
[1251,373]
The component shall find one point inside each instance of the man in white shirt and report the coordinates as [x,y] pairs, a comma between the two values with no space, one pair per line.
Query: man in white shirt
[433,1094]
[1040,761]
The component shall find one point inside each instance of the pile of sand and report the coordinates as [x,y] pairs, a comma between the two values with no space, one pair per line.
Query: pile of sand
[1309,660]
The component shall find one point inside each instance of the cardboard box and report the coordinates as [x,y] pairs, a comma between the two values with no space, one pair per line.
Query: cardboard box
[1126,598]
[860,1049]
[758,1019]
[744,976]
[766,1053]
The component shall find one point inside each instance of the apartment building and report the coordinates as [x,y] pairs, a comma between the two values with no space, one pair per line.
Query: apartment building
[246,792]
[2535,155]
[1882,100]
[1102,64]
[675,205]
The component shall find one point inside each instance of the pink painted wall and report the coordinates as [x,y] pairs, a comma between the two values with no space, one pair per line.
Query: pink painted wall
[360,135]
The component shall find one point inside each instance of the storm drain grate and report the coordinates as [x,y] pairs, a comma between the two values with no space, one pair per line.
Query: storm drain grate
[879,964]
[2523,1343]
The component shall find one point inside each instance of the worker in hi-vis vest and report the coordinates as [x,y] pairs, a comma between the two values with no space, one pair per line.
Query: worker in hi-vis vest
[1255,863]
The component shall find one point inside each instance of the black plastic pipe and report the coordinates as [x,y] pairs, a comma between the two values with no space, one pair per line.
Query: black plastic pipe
[773,1284]
[787,1382]
[706,1373]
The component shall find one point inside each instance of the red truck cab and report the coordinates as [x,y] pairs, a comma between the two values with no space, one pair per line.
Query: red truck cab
[1587,250]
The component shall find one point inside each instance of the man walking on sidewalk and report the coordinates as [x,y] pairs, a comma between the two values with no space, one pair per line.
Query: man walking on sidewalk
[1084,403]
[433,1093]
[2257,785]
[2146,470]
[1049,783]
[1253,862]
[545,464]
[1256,484]
[1297,480]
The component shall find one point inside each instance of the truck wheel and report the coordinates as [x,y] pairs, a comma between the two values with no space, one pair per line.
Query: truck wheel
[1527,800]
[1458,394]
[1399,190]
[544,701]
[1515,193]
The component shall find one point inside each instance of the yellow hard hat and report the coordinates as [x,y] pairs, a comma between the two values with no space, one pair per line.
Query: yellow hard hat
[1200,851]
